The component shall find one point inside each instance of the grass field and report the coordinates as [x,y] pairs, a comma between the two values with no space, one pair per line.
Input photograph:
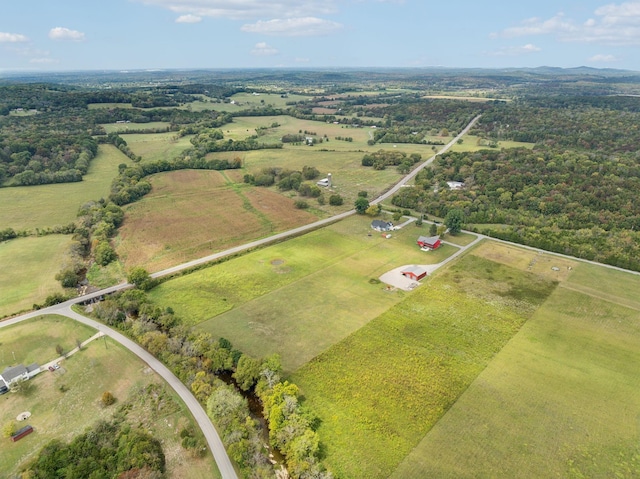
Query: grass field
[470,143]
[247,101]
[33,263]
[193,213]
[124,127]
[381,389]
[276,299]
[30,207]
[560,400]
[157,146]
[102,366]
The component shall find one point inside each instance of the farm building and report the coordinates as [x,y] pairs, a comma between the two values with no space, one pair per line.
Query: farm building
[455,185]
[431,242]
[20,433]
[414,272]
[380,225]
[17,373]
[325,181]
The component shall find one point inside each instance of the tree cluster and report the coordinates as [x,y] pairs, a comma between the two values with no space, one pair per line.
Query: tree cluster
[383,158]
[108,449]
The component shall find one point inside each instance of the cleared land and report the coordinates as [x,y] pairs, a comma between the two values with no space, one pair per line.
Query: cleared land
[248,101]
[277,299]
[560,400]
[102,366]
[41,206]
[192,213]
[33,263]
[157,146]
[124,127]
[381,389]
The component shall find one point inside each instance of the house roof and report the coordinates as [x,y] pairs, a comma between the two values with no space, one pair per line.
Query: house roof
[417,270]
[381,224]
[428,239]
[33,367]
[9,374]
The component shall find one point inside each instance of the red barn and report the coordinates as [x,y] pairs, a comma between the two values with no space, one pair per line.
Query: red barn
[414,272]
[20,433]
[431,242]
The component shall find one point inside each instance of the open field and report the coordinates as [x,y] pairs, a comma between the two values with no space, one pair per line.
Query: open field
[461,239]
[108,106]
[381,389]
[36,340]
[247,101]
[124,127]
[33,263]
[157,146]
[276,299]
[560,400]
[102,366]
[41,206]
[192,213]
[470,143]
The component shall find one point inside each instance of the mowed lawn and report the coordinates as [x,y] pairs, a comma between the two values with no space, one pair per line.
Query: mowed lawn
[102,366]
[29,268]
[41,206]
[560,400]
[379,391]
[299,297]
[193,213]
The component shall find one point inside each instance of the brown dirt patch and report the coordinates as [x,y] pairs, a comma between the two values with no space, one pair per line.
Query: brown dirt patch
[323,111]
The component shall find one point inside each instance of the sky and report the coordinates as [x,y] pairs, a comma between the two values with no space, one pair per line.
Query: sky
[71,35]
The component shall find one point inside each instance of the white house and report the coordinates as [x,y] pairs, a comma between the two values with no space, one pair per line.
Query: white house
[18,373]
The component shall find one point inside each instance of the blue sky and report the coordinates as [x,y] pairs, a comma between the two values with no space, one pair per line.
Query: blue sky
[157,34]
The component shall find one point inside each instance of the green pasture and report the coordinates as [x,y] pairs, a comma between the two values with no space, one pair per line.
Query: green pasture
[103,365]
[157,146]
[470,144]
[461,239]
[124,127]
[29,268]
[560,400]
[35,340]
[41,206]
[277,299]
[248,101]
[380,390]
[98,106]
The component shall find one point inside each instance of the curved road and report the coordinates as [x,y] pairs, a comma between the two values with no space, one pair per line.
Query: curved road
[211,435]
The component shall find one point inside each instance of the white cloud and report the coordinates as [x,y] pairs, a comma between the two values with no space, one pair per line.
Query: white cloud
[600,58]
[248,9]
[293,27]
[515,50]
[12,38]
[613,24]
[62,33]
[189,18]
[263,50]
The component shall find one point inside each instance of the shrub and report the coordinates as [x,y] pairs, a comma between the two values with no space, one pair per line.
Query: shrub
[335,200]
[107,399]
[301,205]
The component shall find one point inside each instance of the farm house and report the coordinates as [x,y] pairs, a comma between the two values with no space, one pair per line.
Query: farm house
[431,242]
[381,226]
[414,272]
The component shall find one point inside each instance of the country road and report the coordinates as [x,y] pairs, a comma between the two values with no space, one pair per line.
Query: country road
[213,439]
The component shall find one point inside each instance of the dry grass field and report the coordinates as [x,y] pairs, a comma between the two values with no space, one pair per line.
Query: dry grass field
[193,213]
